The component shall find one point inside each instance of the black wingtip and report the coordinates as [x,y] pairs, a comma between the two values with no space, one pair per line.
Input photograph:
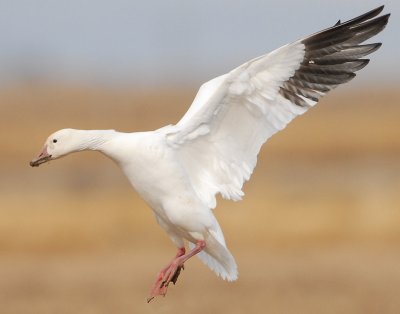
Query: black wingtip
[386,17]
[380,8]
[363,17]
[332,56]
[377,10]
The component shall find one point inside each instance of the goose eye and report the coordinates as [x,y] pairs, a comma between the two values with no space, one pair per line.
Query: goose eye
[54,141]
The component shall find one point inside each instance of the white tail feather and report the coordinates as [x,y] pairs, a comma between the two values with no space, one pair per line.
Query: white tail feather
[218,258]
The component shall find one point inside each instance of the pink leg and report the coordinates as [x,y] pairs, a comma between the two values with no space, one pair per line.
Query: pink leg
[171,272]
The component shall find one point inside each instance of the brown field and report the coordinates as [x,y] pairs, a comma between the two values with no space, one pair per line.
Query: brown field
[318,230]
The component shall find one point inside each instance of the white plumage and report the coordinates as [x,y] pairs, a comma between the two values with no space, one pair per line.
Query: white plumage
[179,169]
[230,118]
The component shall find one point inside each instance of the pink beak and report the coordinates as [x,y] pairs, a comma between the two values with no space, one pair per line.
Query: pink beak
[43,157]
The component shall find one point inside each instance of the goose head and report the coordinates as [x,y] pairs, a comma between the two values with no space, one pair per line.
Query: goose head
[58,144]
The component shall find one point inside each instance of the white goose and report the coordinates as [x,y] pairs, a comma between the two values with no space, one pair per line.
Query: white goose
[179,169]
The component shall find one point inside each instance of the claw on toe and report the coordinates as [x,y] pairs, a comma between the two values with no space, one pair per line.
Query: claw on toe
[176,275]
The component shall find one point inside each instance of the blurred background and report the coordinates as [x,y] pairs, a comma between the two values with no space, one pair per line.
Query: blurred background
[319,228]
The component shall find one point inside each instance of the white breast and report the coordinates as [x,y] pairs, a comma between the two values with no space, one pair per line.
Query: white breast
[153,169]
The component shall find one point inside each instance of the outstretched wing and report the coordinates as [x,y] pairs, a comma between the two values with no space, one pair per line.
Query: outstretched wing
[218,139]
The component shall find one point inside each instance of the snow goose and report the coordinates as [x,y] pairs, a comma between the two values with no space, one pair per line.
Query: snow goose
[179,169]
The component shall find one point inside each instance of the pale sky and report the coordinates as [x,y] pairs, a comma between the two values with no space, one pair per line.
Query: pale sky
[171,42]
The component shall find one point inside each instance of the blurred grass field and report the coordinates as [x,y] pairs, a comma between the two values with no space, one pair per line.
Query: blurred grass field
[317,232]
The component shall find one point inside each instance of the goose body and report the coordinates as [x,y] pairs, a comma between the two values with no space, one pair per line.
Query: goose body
[179,169]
